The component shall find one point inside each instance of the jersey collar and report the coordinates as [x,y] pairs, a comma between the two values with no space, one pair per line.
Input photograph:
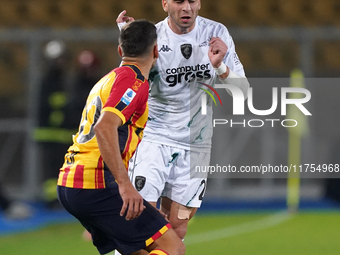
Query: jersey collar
[192,32]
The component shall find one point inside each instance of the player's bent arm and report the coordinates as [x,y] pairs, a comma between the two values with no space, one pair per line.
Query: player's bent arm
[217,51]
[106,131]
[227,76]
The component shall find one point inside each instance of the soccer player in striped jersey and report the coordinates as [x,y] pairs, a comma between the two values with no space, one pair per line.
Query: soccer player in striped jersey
[193,51]
[93,183]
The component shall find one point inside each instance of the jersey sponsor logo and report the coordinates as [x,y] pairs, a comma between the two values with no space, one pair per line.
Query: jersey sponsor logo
[128,96]
[203,44]
[165,48]
[236,59]
[140,182]
[198,72]
[206,43]
[186,50]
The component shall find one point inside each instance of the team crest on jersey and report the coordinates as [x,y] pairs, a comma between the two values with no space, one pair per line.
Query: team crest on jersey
[186,50]
[140,182]
[128,96]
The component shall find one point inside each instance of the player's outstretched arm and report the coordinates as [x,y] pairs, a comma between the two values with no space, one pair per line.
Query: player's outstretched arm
[107,137]
[122,19]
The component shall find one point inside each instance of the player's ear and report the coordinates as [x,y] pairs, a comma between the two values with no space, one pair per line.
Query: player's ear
[199,4]
[120,52]
[165,5]
[155,51]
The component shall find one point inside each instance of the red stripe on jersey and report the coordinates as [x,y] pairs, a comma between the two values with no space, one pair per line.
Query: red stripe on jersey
[79,177]
[99,178]
[66,172]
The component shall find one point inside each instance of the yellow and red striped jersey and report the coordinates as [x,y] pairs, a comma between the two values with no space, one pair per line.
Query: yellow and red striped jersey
[124,91]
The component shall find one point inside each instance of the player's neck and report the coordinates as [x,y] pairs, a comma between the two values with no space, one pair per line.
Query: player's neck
[144,66]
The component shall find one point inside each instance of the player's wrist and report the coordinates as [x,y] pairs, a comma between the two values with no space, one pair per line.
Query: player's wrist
[122,178]
[222,69]
[123,182]
[121,24]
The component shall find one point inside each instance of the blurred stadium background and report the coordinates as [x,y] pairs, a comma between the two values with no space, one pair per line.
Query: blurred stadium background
[272,37]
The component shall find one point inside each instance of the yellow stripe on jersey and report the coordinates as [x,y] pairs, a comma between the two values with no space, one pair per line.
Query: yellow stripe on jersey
[115,111]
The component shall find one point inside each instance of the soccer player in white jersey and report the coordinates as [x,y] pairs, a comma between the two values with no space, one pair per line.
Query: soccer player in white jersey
[192,51]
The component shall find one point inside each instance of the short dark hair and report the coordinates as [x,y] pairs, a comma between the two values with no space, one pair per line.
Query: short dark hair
[137,37]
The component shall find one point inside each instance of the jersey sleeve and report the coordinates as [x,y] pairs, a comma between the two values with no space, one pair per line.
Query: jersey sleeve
[231,59]
[124,99]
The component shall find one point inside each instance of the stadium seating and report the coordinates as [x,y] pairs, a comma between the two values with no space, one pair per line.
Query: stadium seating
[268,57]
[219,10]
[13,63]
[9,14]
[260,11]
[39,10]
[64,13]
[326,12]
[327,56]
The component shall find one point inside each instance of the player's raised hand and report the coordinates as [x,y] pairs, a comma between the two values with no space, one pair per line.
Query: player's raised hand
[122,18]
[217,51]
[132,201]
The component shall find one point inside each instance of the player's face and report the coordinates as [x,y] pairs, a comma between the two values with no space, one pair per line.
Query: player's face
[182,14]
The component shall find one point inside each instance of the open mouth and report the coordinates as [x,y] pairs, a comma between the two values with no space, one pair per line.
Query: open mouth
[185,18]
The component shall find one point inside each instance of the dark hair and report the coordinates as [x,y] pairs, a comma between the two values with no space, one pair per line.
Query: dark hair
[137,37]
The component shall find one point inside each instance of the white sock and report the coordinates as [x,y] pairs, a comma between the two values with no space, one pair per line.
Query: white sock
[117,252]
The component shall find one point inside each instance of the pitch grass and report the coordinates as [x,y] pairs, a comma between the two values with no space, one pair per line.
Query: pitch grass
[304,233]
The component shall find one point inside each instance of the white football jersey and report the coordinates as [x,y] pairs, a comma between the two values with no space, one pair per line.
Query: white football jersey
[183,68]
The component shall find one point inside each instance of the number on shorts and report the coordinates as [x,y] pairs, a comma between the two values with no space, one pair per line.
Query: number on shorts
[203,191]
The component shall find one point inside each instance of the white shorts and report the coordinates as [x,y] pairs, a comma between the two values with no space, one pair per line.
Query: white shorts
[159,170]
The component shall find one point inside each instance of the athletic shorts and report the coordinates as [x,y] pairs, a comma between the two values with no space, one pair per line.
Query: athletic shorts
[159,170]
[98,211]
